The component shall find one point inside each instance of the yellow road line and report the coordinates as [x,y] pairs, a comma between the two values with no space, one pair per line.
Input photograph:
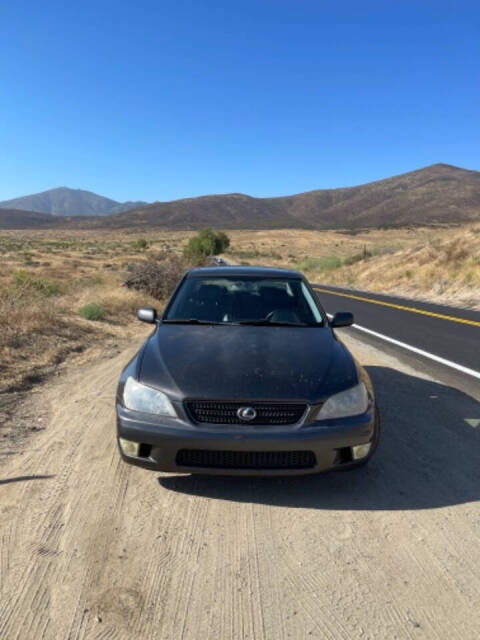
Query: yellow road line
[442,316]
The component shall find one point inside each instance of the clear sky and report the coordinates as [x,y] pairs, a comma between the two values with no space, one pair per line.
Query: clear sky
[157,100]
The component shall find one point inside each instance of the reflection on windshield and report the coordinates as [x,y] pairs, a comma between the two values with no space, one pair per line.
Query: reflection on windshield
[244,300]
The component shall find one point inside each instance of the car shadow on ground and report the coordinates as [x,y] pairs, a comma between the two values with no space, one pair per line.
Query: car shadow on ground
[429,457]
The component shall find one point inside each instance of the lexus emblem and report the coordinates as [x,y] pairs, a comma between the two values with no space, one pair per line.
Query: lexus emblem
[246,414]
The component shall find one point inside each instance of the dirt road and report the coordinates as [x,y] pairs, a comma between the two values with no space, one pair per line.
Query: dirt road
[93,548]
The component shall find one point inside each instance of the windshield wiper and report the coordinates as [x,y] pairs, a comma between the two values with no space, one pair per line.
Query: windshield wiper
[264,322]
[254,323]
[193,321]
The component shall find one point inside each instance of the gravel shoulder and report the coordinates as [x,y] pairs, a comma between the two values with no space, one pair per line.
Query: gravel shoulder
[93,548]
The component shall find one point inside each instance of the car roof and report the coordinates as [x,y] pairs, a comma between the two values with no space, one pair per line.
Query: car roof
[241,270]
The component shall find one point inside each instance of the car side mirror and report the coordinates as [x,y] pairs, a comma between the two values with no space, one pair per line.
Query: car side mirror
[342,319]
[147,314]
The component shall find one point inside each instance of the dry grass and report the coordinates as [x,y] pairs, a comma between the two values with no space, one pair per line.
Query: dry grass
[45,280]
[445,269]
[441,265]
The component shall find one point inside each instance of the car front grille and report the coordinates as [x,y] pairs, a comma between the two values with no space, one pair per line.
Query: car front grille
[216,412]
[246,459]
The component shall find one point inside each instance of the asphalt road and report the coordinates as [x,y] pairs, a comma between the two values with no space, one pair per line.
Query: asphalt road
[447,332]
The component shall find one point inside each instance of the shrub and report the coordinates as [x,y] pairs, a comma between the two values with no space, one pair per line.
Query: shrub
[455,252]
[384,249]
[92,311]
[141,243]
[326,263]
[27,282]
[353,259]
[206,243]
[223,239]
[363,255]
[329,263]
[158,278]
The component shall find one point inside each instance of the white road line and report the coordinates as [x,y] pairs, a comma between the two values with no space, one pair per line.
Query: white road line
[425,354]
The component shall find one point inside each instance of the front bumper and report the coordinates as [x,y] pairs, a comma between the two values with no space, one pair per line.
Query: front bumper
[162,439]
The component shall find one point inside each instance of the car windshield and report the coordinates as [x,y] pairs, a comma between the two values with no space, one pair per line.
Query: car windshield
[244,300]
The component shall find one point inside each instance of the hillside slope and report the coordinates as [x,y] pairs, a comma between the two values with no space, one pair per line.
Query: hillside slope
[69,202]
[16,219]
[230,211]
[436,194]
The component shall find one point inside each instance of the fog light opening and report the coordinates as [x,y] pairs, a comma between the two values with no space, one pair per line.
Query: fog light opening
[145,450]
[129,447]
[361,451]
[344,455]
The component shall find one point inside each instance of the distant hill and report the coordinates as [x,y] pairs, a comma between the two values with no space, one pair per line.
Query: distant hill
[438,194]
[16,219]
[69,202]
[230,211]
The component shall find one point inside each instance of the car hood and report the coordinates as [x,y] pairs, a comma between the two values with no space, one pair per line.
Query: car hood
[246,362]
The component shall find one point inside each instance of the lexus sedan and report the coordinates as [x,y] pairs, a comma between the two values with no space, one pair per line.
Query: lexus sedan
[244,374]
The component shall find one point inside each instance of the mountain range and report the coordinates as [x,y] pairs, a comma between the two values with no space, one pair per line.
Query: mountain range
[63,201]
[438,194]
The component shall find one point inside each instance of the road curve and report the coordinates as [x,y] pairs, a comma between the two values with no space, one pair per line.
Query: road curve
[447,332]
[94,549]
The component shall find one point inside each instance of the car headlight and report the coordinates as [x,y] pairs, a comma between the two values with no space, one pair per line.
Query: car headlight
[138,397]
[351,402]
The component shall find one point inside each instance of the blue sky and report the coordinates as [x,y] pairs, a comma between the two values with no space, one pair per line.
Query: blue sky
[157,100]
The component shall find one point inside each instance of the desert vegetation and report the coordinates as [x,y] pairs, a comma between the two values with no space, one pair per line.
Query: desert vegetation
[158,277]
[438,264]
[160,274]
[62,295]
[205,243]
[71,293]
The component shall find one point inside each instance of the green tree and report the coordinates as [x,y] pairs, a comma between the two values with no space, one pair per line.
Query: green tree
[206,243]
[224,240]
